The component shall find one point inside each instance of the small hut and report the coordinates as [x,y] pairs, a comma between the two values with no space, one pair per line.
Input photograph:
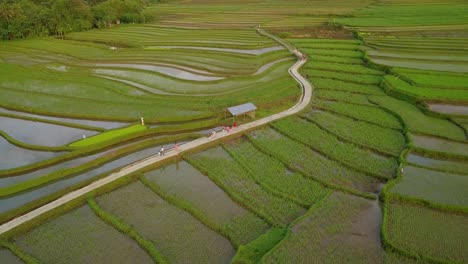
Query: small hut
[247,109]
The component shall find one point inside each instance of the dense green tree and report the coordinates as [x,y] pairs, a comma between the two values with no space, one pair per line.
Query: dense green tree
[26,18]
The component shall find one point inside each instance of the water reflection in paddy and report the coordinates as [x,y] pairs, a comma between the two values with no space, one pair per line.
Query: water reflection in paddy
[12,156]
[43,134]
[102,124]
[12,202]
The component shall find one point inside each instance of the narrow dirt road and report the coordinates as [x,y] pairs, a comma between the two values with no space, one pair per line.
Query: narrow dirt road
[303,102]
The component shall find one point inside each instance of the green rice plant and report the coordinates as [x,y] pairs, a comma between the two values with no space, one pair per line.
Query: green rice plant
[240,186]
[435,79]
[336,85]
[437,189]
[325,46]
[80,236]
[331,52]
[377,138]
[179,236]
[326,233]
[352,98]
[299,41]
[341,76]
[273,174]
[391,82]
[416,121]
[185,187]
[128,230]
[303,159]
[342,67]
[332,147]
[394,257]
[336,59]
[108,135]
[373,115]
[424,233]
[26,258]
[254,251]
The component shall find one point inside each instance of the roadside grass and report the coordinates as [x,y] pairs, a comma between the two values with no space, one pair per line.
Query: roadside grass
[368,135]
[239,185]
[108,135]
[301,158]
[273,174]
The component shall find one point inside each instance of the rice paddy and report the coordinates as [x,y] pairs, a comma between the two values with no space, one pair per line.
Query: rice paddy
[372,171]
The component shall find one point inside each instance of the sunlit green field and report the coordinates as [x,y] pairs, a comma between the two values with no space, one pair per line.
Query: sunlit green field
[372,171]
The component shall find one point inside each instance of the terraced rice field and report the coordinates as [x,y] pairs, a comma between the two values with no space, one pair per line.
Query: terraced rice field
[372,171]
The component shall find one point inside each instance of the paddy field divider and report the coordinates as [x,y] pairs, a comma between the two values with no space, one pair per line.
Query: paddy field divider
[182,149]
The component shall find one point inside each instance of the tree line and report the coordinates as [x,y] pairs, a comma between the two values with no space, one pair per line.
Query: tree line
[29,18]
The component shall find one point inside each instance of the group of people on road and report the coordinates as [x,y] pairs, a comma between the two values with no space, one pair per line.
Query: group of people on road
[224,131]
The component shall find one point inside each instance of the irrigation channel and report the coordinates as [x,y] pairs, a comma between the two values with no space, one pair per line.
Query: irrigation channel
[133,167]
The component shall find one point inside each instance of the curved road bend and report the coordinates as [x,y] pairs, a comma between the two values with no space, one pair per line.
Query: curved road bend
[303,102]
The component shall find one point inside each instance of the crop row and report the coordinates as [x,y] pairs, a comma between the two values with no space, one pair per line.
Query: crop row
[330,146]
[433,79]
[179,236]
[348,97]
[324,234]
[301,158]
[273,174]
[341,76]
[362,133]
[417,121]
[391,82]
[128,230]
[336,85]
[405,228]
[234,179]
[342,67]
[188,189]
[368,114]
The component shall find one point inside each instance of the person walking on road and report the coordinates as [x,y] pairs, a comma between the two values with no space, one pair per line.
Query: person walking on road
[161,152]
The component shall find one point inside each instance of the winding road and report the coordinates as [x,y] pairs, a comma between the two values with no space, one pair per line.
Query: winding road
[303,102]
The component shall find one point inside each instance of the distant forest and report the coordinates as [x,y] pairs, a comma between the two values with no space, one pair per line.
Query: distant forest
[29,18]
